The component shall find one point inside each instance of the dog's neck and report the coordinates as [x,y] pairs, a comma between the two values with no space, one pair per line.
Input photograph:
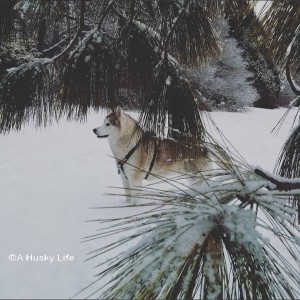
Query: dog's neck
[129,134]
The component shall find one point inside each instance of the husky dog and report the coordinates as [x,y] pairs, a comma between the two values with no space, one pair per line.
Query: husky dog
[139,154]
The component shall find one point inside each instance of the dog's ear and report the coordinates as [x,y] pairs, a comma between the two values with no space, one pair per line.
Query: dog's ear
[119,111]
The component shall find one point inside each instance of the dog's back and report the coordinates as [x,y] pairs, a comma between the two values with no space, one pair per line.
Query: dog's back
[171,156]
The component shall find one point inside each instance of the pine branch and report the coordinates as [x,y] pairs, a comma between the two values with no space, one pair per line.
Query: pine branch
[28,88]
[78,34]
[89,78]
[282,184]
[191,36]
[138,55]
[171,31]
[198,248]
[81,27]
[291,82]
[280,24]
[289,160]
[170,103]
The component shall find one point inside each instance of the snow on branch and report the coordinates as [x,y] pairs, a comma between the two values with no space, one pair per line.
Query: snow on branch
[28,87]
[77,35]
[204,245]
[281,183]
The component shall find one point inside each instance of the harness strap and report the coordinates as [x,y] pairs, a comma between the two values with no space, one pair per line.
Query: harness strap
[153,158]
[121,163]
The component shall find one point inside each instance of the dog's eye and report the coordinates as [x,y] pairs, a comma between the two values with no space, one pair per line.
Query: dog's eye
[107,124]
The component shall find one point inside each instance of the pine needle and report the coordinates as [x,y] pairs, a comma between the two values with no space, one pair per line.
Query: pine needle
[138,54]
[28,88]
[89,78]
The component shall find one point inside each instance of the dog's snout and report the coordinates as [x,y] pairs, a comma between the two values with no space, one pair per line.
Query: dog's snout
[95,130]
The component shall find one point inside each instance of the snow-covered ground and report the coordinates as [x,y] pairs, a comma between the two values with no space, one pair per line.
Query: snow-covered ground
[51,178]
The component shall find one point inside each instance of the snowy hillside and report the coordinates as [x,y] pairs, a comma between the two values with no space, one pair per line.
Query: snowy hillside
[51,178]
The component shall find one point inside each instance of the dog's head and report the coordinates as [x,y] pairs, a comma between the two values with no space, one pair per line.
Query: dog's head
[111,124]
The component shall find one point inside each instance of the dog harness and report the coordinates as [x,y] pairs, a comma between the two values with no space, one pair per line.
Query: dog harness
[120,163]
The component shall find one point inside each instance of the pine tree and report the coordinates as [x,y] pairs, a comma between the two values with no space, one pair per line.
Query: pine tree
[224,82]
[265,77]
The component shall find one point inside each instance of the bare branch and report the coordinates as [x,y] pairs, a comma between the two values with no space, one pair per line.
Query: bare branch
[80,29]
[46,51]
[108,7]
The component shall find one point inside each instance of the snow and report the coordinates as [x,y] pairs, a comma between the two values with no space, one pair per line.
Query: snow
[168,80]
[87,58]
[147,29]
[51,178]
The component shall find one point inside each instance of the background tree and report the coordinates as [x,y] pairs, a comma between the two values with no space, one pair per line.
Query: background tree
[246,27]
[224,83]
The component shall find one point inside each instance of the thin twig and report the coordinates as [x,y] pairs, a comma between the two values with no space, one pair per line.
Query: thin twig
[108,7]
[46,51]
[81,27]
[79,31]
[118,13]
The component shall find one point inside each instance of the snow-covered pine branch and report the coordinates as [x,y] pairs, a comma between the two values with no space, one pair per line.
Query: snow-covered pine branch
[204,246]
